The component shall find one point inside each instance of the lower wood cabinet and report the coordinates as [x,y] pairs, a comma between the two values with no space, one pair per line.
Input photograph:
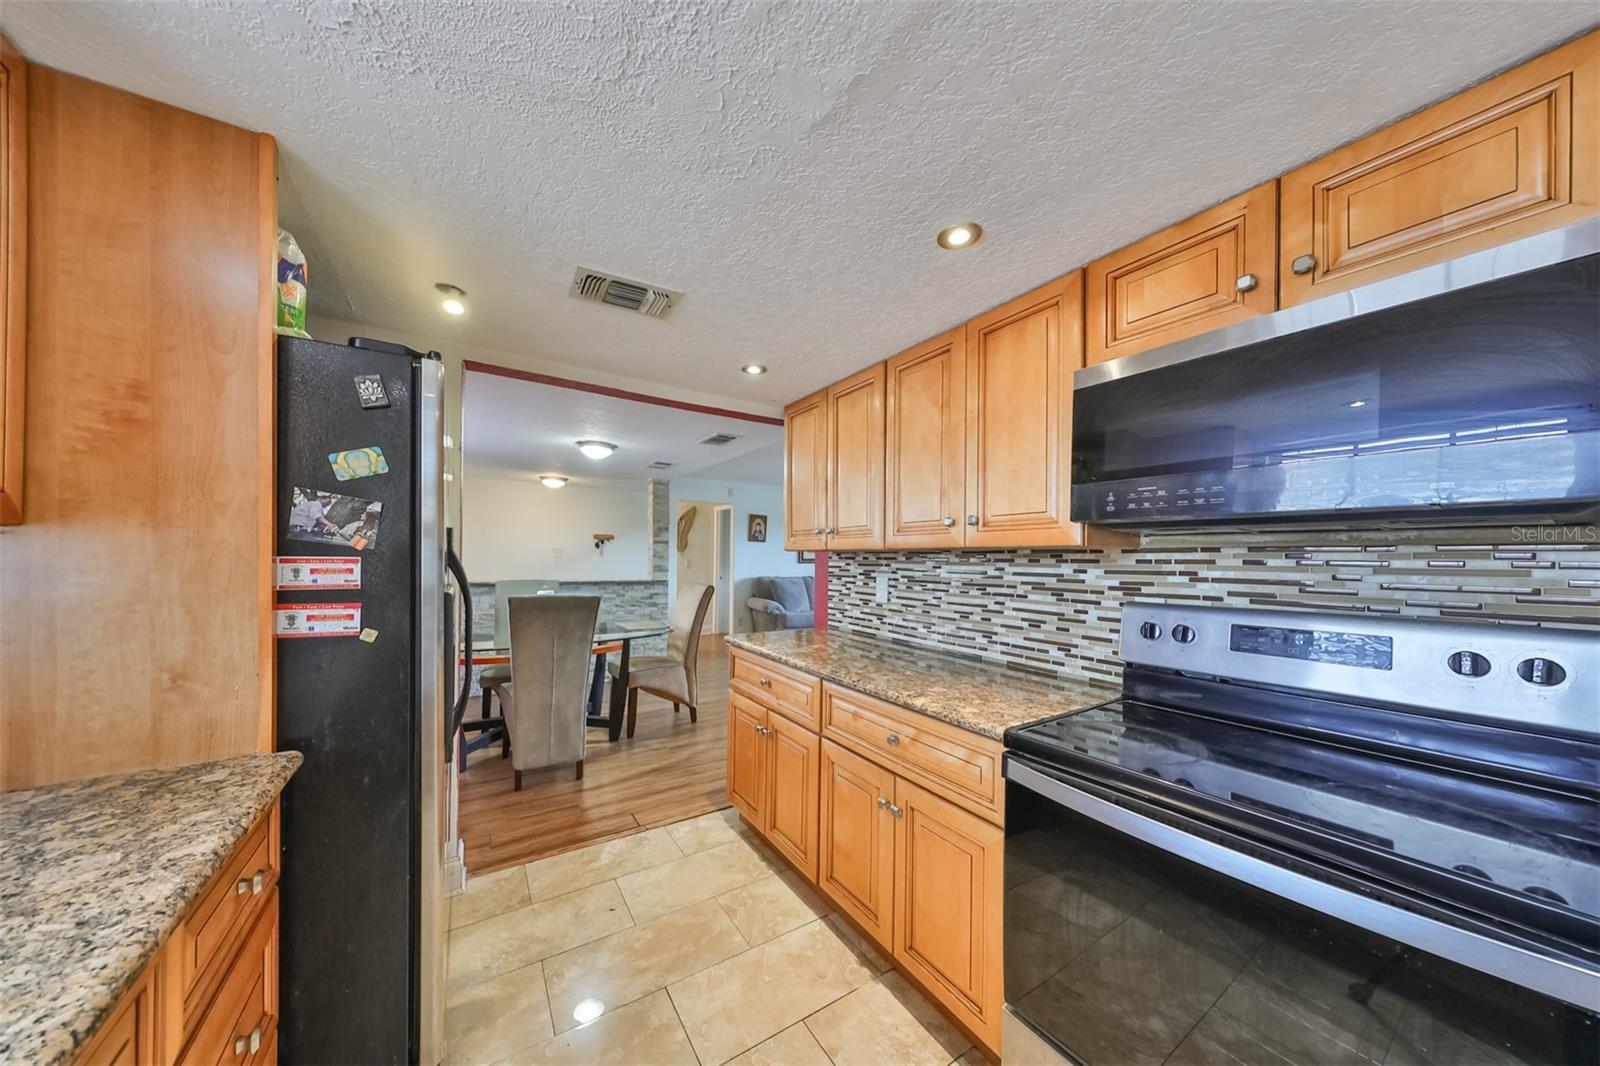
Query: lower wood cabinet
[210,995]
[920,873]
[855,864]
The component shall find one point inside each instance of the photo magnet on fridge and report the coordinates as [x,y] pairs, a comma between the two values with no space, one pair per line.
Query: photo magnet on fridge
[358,462]
[323,517]
[370,391]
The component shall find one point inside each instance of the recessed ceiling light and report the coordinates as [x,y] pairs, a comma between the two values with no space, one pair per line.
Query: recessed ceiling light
[552,481]
[754,369]
[587,1011]
[961,235]
[596,449]
[455,298]
[1356,403]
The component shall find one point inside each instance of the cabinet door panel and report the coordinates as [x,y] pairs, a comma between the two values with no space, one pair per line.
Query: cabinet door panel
[1020,359]
[13,275]
[855,461]
[1513,156]
[856,854]
[925,444]
[947,920]
[747,762]
[805,473]
[790,822]
[1208,271]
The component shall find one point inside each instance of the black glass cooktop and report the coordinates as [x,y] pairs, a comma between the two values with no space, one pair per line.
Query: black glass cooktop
[1508,850]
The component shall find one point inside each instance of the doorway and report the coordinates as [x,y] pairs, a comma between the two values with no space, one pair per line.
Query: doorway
[705,556]
[722,566]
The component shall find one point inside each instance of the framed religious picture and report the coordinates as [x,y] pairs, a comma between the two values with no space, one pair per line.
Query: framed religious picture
[805,557]
[758,528]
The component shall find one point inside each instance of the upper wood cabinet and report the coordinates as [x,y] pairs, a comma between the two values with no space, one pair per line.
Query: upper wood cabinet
[855,461]
[13,275]
[925,446]
[1020,360]
[805,473]
[1513,156]
[1208,271]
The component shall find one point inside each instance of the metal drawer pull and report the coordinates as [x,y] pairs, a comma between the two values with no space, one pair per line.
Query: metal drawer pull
[893,738]
[766,682]
[252,884]
[1304,264]
[1245,282]
[250,1042]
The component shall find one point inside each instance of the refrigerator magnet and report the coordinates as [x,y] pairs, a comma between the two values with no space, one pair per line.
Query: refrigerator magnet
[370,392]
[316,620]
[323,517]
[358,463]
[368,636]
[316,572]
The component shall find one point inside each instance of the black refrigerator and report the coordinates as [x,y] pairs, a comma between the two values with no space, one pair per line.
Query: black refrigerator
[365,632]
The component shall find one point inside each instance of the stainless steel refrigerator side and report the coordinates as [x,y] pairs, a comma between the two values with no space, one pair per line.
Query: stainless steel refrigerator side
[430,717]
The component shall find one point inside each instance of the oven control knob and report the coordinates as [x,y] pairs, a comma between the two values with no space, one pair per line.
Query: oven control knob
[1541,672]
[1468,663]
[1150,631]
[1183,634]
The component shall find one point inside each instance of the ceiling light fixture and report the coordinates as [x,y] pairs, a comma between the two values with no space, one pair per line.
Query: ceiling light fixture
[552,481]
[455,298]
[1356,403]
[587,1011]
[596,449]
[754,369]
[961,235]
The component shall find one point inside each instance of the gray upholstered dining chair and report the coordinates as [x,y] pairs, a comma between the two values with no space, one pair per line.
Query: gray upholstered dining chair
[551,644]
[672,676]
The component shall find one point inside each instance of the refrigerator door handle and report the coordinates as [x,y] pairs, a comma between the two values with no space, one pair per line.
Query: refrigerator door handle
[459,711]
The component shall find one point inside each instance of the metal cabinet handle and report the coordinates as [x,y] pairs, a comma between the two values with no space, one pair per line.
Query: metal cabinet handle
[817,531]
[972,519]
[831,531]
[763,730]
[896,810]
[766,682]
[883,801]
[1304,264]
[948,521]
[1245,282]
[258,882]
[251,1042]
[893,738]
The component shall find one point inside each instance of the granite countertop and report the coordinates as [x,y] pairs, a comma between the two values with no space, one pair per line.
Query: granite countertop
[95,874]
[962,691]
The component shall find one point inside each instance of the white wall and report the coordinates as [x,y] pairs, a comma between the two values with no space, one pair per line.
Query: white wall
[524,531]
[750,560]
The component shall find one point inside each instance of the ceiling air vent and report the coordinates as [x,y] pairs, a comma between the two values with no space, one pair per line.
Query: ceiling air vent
[659,464]
[638,296]
[720,439]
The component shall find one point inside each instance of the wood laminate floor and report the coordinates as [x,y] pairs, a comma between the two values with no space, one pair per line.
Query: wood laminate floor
[671,770]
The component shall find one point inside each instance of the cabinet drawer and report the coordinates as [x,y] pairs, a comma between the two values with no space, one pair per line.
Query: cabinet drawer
[777,687]
[239,1025]
[227,909]
[961,766]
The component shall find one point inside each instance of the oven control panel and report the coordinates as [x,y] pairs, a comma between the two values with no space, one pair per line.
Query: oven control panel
[1542,677]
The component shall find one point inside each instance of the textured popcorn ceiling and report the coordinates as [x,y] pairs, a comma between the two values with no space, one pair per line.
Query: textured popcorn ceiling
[785,164]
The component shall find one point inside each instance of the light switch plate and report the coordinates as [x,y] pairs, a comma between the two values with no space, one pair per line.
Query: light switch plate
[881,591]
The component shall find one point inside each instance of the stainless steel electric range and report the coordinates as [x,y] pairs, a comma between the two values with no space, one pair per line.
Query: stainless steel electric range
[1310,838]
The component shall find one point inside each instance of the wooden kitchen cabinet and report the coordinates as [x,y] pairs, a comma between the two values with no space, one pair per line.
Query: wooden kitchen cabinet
[789,818]
[133,1035]
[13,275]
[805,473]
[747,764]
[950,875]
[925,444]
[856,860]
[1515,155]
[855,461]
[1020,360]
[1208,271]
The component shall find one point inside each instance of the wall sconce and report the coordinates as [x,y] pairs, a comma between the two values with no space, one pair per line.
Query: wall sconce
[600,541]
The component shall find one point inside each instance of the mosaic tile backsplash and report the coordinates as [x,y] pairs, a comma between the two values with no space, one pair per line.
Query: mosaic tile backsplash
[1059,611]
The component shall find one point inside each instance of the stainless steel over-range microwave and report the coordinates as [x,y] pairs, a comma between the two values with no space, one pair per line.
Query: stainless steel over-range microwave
[1466,392]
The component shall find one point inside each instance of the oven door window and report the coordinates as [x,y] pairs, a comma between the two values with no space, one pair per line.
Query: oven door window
[1121,952]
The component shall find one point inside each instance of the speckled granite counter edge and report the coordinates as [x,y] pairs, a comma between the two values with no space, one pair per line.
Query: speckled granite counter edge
[1065,695]
[64,969]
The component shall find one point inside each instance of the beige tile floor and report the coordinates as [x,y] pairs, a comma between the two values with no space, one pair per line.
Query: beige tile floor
[692,943]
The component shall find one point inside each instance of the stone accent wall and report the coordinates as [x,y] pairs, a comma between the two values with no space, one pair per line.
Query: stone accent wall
[1059,612]
[660,529]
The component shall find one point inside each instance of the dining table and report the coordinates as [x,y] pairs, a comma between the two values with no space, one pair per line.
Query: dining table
[611,635]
